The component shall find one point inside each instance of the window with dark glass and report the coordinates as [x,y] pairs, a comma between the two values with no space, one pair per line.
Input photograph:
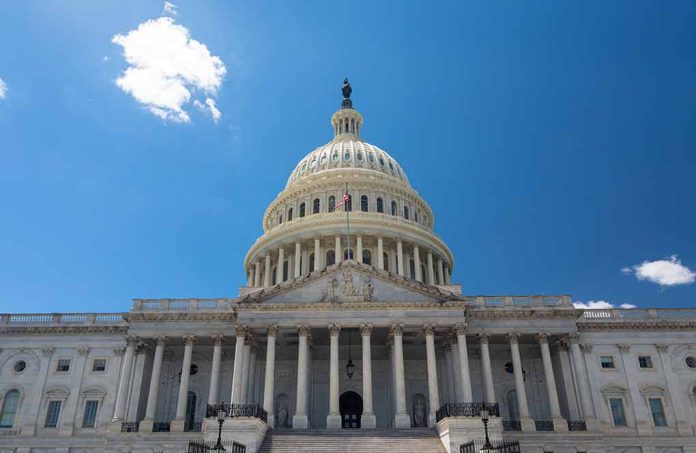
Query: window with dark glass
[311,262]
[607,362]
[315,206]
[63,365]
[330,258]
[289,214]
[285,271]
[90,415]
[10,404]
[363,203]
[658,411]
[393,208]
[645,361]
[617,411]
[348,254]
[380,204]
[406,212]
[412,269]
[52,414]
[332,203]
[99,365]
[367,257]
[302,209]
[415,216]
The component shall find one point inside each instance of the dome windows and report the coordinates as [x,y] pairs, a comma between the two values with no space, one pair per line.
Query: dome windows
[359,156]
[406,212]
[302,209]
[323,159]
[370,158]
[335,156]
[367,257]
[346,156]
[313,162]
[364,205]
[332,203]
[391,167]
[394,209]
[315,206]
[380,204]
[381,161]
[290,215]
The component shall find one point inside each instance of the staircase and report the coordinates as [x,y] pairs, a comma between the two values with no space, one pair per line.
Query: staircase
[349,440]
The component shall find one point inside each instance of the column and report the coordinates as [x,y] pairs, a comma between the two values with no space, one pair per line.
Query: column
[246,352]
[460,329]
[447,276]
[400,258]
[526,422]
[305,261]
[267,278]
[250,278]
[337,249]
[317,254]
[178,425]
[268,388]
[401,418]
[251,383]
[122,394]
[280,264]
[257,275]
[300,420]
[486,369]
[215,370]
[449,374]
[440,278]
[368,419]
[333,420]
[147,423]
[291,266]
[431,270]
[416,262]
[456,368]
[358,249]
[235,397]
[380,253]
[298,259]
[643,418]
[433,397]
[559,423]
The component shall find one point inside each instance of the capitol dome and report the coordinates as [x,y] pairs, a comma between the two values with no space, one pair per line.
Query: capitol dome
[389,226]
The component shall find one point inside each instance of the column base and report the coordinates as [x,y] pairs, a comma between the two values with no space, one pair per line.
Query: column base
[146,426]
[644,428]
[527,424]
[402,421]
[114,426]
[334,421]
[300,422]
[177,426]
[592,425]
[560,424]
[684,429]
[431,421]
[271,420]
[368,421]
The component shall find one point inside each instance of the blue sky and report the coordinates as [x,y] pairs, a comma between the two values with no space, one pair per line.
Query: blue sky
[554,141]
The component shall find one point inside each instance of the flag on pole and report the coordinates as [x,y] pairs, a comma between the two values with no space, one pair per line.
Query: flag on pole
[346,198]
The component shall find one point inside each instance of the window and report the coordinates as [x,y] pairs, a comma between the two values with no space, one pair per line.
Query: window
[302,209]
[332,203]
[690,362]
[606,362]
[90,415]
[285,270]
[367,257]
[412,269]
[311,262]
[99,365]
[645,362]
[348,254]
[52,414]
[289,214]
[330,258]
[363,203]
[513,410]
[315,206]
[415,216]
[385,260]
[63,365]
[9,409]
[280,219]
[618,415]
[380,204]
[406,212]
[658,411]
[19,366]
[393,208]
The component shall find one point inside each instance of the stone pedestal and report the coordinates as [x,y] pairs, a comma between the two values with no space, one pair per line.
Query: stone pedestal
[560,424]
[527,424]
[300,422]
[334,422]
[402,421]
[454,431]
[146,426]
[368,421]
[114,426]
[246,430]
[177,426]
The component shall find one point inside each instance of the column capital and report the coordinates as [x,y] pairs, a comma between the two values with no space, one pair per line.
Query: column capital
[159,339]
[542,338]
[49,350]
[83,350]
[662,347]
[241,331]
[272,331]
[586,347]
[460,328]
[117,351]
[304,331]
[513,337]
[429,329]
[396,329]
[484,337]
[334,330]
[624,347]
[132,340]
[217,339]
[188,339]
[365,330]
[574,338]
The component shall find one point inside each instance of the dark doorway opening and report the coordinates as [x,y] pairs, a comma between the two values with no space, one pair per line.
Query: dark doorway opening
[351,408]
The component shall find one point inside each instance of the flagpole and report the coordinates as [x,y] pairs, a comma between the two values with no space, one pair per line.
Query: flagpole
[347,222]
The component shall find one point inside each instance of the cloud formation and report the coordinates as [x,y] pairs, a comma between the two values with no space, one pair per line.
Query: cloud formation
[169,8]
[3,89]
[209,107]
[167,67]
[599,304]
[667,272]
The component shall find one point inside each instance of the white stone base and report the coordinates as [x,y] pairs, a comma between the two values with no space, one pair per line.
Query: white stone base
[248,431]
[454,431]
[146,426]
[177,426]
[402,421]
[300,422]
[368,421]
[334,422]
[527,424]
[560,424]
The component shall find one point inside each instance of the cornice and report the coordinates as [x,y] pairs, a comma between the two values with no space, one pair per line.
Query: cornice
[522,313]
[457,306]
[637,324]
[63,330]
[149,316]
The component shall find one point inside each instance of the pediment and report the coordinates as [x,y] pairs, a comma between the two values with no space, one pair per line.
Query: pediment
[350,282]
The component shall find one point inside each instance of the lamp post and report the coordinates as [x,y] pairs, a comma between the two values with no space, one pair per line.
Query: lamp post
[487,447]
[221,419]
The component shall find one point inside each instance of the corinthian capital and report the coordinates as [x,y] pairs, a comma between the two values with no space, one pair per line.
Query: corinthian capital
[241,331]
[334,330]
[366,330]
[429,329]
[460,329]
[304,331]
[514,338]
[396,329]
[188,339]
[218,339]
[272,331]
[542,338]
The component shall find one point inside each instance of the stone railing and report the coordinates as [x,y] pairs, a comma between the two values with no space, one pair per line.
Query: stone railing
[639,313]
[522,301]
[466,410]
[155,305]
[62,319]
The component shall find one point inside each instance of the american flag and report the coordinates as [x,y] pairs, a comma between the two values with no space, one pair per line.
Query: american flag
[345,199]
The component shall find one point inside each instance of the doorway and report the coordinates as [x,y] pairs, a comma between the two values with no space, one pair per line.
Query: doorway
[351,408]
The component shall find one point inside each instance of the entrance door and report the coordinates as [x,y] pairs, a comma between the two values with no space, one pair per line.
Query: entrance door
[351,407]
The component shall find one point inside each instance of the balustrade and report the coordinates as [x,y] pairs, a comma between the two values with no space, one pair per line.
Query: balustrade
[237,410]
[466,410]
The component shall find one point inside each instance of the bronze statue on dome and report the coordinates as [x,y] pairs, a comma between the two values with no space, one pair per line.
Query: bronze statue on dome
[347,90]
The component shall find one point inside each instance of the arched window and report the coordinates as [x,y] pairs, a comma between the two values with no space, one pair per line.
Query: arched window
[380,204]
[311,263]
[302,209]
[367,257]
[393,208]
[315,206]
[289,214]
[10,405]
[330,258]
[332,203]
[385,260]
[285,271]
[348,254]
[363,203]
[406,212]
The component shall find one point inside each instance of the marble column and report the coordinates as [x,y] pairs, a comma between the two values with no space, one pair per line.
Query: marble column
[463,350]
[526,422]
[298,259]
[246,352]
[147,423]
[338,251]
[380,253]
[251,384]
[559,423]
[291,267]
[305,261]
[358,249]
[401,418]
[368,419]
[124,381]
[250,277]
[267,277]
[317,254]
[236,396]
[417,263]
[333,420]
[179,424]
[280,265]
[486,370]
[215,370]
[440,274]
[431,270]
[257,275]
[456,368]
[447,276]
[400,258]
[433,395]
[300,419]
[268,388]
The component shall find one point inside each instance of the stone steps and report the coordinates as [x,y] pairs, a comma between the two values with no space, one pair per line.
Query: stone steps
[364,441]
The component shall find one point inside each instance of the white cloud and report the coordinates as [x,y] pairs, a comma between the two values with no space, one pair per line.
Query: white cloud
[599,304]
[105,58]
[169,8]
[167,67]
[667,272]
[209,107]
[3,89]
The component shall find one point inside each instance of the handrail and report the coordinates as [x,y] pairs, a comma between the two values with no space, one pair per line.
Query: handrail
[71,319]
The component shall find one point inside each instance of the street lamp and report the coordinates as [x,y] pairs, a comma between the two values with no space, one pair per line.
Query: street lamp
[221,419]
[487,446]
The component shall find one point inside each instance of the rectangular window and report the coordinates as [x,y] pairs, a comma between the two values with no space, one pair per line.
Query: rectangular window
[90,414]
[607,362]
[645,361]
[658,411]
[617,411]
[99,365]
[63,365]
[52,414]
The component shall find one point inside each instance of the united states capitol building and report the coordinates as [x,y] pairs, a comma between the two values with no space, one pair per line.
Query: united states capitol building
[349,330]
